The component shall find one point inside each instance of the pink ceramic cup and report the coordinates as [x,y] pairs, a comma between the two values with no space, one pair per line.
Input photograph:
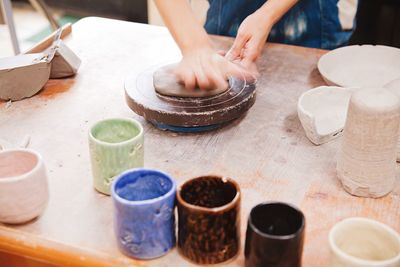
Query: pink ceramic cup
[23,186]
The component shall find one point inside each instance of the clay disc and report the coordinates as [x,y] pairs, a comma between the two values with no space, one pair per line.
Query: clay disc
[165,83]
[183,111]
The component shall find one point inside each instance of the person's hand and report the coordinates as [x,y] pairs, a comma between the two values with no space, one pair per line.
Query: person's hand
[207,69]
[250,40]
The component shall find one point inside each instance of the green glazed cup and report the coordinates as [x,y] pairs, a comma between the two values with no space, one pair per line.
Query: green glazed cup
[115,145]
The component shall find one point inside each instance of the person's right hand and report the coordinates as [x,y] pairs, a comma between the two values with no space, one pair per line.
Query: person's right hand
[207,69]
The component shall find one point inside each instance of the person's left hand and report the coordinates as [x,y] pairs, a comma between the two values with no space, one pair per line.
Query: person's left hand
[250,40]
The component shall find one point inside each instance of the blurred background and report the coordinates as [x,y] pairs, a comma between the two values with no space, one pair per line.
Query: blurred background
[378,21]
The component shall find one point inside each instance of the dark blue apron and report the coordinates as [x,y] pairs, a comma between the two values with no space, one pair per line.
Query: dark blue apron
[310,23]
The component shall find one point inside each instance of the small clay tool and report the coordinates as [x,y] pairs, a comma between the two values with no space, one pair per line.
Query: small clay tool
[188,114]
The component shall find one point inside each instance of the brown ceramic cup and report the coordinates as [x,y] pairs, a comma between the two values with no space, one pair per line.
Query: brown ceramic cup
[209,219]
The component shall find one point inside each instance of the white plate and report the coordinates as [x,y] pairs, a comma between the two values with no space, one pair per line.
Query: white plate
[360,66]
[322,112]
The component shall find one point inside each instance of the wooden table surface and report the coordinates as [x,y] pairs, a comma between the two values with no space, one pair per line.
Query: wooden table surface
[266,151]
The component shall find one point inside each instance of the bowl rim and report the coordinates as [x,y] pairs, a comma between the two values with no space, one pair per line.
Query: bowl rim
[38,165]
[359,261]
[278,237]
[135,203]
[230,204]
[137,137]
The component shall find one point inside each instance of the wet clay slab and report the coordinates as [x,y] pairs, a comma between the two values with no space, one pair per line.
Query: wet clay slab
[360,66]
[187,112]
[166,83]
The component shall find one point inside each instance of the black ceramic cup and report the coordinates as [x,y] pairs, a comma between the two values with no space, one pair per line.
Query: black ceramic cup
[275,236]
[209,219]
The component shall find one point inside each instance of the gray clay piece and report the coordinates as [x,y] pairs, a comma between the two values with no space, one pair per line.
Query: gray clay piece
[65,62]
[23,75]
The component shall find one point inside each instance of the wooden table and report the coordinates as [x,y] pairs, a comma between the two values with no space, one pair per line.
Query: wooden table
[266,151]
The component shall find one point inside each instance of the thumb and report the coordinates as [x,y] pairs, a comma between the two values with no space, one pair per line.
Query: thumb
[237,47]
[239,72]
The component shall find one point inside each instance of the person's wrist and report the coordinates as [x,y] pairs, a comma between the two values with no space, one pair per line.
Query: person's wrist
[265,18]
[196,44]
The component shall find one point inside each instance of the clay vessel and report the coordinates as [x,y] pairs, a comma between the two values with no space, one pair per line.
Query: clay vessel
[362,242]
[144,220]
[394,87]
[275,236]
[322,112]
[23,186]
[366,163]
[116,145]
[209,219]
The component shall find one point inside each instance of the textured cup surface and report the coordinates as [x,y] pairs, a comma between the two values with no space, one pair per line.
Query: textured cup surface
[361,242]
[366,164]
[23,186]
[144,220]
[116,145]
[209,219]
[274,236]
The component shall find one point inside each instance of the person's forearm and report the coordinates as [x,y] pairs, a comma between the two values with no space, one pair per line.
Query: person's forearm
[273,10]
[186,30]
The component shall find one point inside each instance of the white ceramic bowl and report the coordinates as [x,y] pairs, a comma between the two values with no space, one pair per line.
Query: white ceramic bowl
[322,112]
[360,66]
[362,242]
[23,186]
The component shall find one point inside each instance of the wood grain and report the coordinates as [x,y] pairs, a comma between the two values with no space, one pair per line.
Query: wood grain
[266,151]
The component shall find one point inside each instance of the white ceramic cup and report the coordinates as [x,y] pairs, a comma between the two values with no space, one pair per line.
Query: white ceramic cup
[361,242]
[23,186]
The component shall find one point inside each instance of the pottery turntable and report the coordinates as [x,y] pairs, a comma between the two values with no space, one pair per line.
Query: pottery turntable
[188,114]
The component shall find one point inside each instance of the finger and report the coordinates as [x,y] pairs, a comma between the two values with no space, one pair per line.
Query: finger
[237,46]
[201,79]
[217,78]
[221,52]
[253,49]
[188,79]
[240,72]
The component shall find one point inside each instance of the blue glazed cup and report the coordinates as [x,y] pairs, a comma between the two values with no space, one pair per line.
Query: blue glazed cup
[144,219]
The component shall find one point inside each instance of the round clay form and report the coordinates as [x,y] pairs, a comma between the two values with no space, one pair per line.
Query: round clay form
[23,186]
[361,242]
[367,158]
[360,65]
[166,83]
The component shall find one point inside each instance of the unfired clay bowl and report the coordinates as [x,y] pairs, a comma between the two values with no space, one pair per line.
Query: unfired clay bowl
[360,66]
[23,186]
[361,242]
[322,112]
[23,75]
